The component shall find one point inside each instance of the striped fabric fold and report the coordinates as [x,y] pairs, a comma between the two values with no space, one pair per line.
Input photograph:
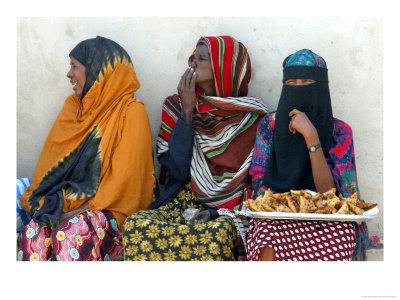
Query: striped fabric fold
[223,146]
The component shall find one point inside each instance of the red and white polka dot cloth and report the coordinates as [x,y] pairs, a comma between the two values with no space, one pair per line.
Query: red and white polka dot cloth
[301,240]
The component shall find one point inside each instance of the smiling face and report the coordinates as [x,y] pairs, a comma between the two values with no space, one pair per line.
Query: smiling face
[77,76]
[201,63]
[299,81]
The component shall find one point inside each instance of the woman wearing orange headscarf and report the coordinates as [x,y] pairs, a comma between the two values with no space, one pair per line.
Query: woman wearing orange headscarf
[96,166]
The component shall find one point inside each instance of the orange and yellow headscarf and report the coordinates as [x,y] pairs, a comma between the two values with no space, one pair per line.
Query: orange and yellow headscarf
[100,147]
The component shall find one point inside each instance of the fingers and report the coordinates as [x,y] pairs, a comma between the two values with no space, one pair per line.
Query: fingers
[183,78]
[299,122]
[180,84]
[193,81]
[291,129]
[188,78]
[187,81]
[292,116]
[293,113]
[186,89]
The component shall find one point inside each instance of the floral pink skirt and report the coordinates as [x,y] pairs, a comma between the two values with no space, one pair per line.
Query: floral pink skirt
[89,236]
[301,240]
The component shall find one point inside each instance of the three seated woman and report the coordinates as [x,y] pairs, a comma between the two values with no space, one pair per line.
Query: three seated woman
[96,172]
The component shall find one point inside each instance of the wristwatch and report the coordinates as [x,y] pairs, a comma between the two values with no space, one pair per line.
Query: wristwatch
[314,148]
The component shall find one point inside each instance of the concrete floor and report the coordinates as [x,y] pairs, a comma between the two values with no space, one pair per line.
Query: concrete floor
[375,255]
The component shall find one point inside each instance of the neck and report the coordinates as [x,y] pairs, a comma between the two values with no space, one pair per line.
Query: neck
[209,89]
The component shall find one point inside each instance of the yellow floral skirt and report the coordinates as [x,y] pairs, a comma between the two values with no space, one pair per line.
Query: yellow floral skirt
[163,235]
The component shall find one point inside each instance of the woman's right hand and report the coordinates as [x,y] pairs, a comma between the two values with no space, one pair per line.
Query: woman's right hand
[187,94]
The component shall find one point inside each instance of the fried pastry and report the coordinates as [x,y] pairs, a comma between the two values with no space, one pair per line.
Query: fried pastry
[350,199]
[354,208]
[329,194]
[305,195]
[280,197]
[292,204]
[307,206]
[267,194]
[303,202]
[295,196]
[344,209]
[332,202]
[324,210]
[364,205]
[316,197]
[266,207]
[320,203]
[250,203]
[283,208]
[354,196]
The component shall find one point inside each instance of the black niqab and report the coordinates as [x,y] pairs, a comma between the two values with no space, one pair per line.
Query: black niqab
[289,166]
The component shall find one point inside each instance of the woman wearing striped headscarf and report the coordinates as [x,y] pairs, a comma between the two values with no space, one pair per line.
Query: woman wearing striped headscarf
[96,166]
[205,145]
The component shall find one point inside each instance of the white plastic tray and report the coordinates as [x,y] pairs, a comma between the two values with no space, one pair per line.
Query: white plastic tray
[368,215]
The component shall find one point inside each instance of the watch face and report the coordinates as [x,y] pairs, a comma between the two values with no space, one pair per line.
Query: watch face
[314,148]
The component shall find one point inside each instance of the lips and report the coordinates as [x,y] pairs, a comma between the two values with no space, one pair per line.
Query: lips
[74,85]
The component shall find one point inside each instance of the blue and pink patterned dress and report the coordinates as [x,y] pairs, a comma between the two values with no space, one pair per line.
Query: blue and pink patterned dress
[305,240]
[88,236]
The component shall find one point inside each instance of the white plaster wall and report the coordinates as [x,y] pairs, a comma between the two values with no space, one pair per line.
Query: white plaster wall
[159,48]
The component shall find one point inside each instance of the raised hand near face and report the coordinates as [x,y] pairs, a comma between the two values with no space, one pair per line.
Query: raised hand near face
[300,123]
[187,94]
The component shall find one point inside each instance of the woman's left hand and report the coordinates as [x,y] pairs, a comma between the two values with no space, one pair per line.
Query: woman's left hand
[66,216]
[299,122]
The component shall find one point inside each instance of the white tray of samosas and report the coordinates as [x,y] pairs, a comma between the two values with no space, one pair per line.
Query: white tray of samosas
[309,205]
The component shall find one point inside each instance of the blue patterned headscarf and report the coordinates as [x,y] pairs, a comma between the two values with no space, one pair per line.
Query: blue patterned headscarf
[304,57]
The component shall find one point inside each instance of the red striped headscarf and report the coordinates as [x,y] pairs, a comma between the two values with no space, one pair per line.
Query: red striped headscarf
[225,126]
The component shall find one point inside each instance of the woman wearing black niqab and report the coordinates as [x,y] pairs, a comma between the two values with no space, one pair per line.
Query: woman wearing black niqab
[301,146]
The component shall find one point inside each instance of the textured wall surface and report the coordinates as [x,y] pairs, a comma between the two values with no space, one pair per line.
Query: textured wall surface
[159,48]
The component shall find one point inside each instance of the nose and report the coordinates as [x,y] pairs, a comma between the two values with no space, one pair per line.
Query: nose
[299,81]
[193,64]
[69,74]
